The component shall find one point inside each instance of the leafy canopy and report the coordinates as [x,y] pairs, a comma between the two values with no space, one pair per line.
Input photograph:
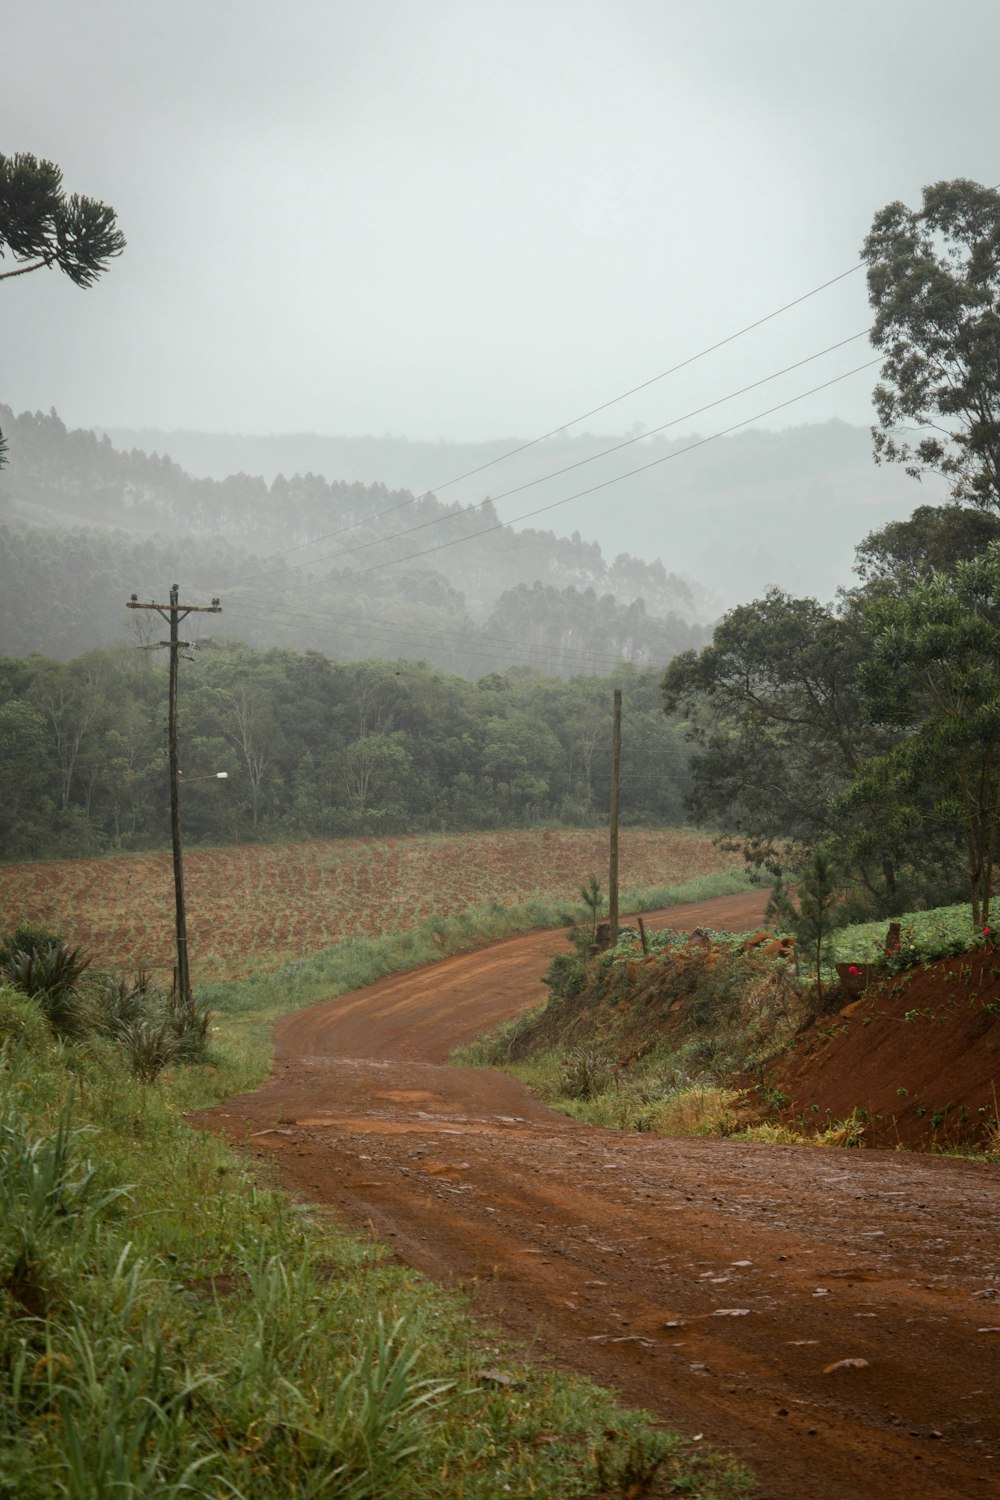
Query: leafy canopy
[934,284]
[933,673]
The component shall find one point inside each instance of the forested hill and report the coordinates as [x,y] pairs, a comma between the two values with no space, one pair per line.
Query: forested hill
[85,526]
[750,511]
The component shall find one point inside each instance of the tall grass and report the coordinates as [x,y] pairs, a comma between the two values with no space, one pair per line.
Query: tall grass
[169,1325]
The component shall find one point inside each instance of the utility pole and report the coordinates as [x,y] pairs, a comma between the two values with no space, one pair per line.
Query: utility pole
[173,613]
[616,761]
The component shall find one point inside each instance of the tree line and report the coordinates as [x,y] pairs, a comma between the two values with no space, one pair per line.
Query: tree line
[870,730]
[316,748]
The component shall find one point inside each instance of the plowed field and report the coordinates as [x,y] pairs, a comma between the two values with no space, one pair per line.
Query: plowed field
[254,907]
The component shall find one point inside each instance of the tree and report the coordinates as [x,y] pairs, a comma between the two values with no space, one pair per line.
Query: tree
[934,673]
[41,227]
[935,537]
[815,910]
[934,283]
[773,707]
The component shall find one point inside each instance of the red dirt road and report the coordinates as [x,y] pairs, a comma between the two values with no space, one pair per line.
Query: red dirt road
[830,1317]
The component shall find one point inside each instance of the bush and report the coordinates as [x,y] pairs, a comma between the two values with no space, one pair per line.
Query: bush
[584,1073]
[27,937]
[149,1027]
[566,976]
[49,975]
[22,1025]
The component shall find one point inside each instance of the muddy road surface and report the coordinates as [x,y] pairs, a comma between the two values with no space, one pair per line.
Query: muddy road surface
[830,1317]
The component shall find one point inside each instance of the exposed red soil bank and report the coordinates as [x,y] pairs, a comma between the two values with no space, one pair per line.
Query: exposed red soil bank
[917,1059]
[833,1317]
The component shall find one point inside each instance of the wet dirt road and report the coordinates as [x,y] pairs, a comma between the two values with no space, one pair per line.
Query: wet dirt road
[830,1317]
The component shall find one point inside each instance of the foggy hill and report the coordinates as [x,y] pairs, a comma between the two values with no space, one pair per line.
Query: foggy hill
[738,514]
[84,525]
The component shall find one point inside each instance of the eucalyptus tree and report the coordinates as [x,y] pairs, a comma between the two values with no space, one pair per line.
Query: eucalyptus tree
[934,285]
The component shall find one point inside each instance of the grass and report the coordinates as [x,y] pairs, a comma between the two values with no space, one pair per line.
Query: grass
[170,1325]
[924,935]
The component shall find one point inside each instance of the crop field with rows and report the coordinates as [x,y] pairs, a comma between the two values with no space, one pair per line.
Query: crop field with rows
[252,908]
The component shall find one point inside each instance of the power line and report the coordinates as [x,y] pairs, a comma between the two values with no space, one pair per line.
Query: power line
[593,412]
[616,479]
[592,458]
[664,458]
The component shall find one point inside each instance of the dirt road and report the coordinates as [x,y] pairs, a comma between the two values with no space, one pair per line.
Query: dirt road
[831,1317]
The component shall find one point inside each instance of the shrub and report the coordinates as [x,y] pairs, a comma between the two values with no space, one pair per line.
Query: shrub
[49,975]
[22,1025]
[584,1073]
[149,1027]
[566,976]
[27,937]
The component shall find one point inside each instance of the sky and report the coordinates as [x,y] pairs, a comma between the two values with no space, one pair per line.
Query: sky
[459,220]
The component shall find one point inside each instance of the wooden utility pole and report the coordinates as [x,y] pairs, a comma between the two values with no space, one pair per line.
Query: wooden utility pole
[173,613]
[616,759]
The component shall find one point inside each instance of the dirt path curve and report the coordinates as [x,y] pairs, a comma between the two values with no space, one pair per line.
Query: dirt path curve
[831,1317]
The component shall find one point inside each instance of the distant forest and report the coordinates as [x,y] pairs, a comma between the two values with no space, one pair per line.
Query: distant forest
[315,748]
[734,517]
[83,526]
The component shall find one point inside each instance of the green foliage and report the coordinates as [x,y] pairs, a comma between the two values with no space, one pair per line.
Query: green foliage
[934,283]
[586,1072]
[39,223]
[50,975]
[942,932]
[566,975]
[933,539]
[772,708]
[312,748]
[932,673]
[149,1028]
[22,1027]
[593,899]
[28,937]
[814,910]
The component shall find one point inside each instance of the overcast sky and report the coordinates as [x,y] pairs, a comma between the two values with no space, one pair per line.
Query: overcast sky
[460,219]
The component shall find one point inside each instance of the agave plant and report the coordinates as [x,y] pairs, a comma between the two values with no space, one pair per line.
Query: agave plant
[151,1029]
[49,975]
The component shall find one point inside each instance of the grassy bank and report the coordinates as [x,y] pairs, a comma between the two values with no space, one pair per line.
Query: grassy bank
[169,1325]
[694,1039]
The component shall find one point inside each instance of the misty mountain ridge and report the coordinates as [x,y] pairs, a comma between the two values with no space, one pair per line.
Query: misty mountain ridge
[759,509]
[77,511]
[733,517]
